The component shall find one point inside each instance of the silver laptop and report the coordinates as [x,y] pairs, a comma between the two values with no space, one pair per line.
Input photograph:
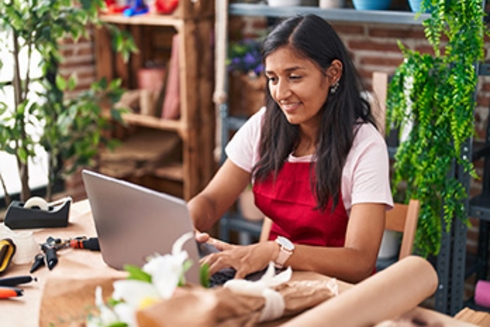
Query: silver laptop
[133,222]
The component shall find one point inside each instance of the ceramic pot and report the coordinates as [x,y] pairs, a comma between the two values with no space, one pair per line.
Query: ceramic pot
[415,5]
[284,3]
[311,3]
[371,4]
[326,4]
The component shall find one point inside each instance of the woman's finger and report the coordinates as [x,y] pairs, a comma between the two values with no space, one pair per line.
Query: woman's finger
[202,237]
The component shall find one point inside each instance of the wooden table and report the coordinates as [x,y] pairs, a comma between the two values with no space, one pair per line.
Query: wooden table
[24,311]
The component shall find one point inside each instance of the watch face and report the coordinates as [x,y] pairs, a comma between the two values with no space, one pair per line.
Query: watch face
[285,242]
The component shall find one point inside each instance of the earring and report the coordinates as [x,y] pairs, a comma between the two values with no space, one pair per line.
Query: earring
[334,87]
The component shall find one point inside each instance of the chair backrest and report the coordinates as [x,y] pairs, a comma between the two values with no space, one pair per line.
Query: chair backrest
[402,218]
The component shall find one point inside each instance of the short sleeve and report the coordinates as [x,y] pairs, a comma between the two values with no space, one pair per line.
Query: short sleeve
[366,177]
[243,148]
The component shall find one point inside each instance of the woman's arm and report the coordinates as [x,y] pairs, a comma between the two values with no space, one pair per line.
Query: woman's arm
[352,263]
[222,191]
[357,259]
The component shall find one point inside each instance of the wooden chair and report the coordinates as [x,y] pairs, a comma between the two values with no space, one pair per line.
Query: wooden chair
[403,218]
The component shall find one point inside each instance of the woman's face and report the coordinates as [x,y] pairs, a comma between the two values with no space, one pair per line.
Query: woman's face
[298,86]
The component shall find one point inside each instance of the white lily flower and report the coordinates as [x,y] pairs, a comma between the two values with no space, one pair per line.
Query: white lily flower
[106,316]
[256,288]
[166,270]
[134,292]
[126,314]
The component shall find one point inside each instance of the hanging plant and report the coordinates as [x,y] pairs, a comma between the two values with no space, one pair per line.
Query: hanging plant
[431,99]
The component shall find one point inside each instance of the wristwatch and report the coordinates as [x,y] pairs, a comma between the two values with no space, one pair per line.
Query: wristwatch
[285,251]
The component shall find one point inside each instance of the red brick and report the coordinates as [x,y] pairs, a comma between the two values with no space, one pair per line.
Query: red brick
[380,61]
[485,87]
[374,46]
[398,33]
[349,29]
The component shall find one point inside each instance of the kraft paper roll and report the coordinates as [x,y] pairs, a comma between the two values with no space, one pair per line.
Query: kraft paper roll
[482,293]
[385,295]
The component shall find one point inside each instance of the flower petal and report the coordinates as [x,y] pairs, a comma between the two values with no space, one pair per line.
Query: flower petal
[133,291]
[179,243]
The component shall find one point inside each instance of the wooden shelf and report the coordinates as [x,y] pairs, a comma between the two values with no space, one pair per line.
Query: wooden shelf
[146,19]
[340,14]
[154,122]
[173,171]
[154,36]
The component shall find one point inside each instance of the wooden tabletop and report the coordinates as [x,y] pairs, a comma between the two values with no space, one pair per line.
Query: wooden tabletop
[24,311]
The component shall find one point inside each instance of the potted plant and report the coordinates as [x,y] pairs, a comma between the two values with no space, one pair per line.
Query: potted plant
[431,99]
[247,81]
[70,129]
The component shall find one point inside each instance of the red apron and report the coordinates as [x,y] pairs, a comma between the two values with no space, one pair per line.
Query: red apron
[290,204]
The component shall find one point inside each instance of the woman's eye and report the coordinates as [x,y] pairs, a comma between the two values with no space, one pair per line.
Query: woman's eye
[294,77]
[271,79]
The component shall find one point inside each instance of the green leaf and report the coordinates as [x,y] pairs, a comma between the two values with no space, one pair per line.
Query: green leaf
[204,275]
[61,83]
[137,273]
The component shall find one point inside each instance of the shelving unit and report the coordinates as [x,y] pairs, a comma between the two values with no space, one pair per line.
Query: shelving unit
[451,260]
[193,21]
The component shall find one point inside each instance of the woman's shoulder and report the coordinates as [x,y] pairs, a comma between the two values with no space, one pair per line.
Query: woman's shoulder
[367,132]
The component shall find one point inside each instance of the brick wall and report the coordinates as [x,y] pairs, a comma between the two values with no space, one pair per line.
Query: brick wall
[79,61]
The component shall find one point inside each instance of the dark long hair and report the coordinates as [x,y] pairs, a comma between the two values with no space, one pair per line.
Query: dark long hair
[314,39]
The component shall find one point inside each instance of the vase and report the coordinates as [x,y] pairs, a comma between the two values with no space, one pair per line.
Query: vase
[416,5]
[326,4]
[371,4]
[283,3]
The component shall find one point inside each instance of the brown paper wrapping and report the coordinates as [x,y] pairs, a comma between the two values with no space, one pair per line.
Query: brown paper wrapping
[385,295]
[199,307]
[68,298]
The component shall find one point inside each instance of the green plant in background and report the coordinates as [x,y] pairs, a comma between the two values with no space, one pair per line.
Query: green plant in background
[70,130]
[431,99]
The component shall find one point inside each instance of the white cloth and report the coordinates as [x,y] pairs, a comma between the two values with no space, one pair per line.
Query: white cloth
[365,177]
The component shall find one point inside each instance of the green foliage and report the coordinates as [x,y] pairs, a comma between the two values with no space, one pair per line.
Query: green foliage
[71,128]
[434,96]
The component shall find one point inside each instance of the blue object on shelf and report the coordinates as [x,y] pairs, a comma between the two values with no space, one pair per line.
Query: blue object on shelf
[139,7]
[371,4]
[416,5]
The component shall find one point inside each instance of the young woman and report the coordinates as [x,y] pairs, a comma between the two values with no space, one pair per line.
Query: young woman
[318,165]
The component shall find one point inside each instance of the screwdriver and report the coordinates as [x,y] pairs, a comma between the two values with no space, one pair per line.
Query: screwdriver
[16,280]
[8,292]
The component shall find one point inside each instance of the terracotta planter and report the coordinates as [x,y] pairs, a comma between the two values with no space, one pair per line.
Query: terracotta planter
[246,94]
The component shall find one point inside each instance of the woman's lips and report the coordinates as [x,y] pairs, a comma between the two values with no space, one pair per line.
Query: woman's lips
[290,106]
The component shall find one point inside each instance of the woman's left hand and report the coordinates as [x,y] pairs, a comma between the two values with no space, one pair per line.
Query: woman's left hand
[245,259]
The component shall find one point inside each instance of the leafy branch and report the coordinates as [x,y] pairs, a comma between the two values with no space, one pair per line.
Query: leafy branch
[432,97]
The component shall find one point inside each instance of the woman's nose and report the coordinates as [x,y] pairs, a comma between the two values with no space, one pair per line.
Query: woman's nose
[282,91]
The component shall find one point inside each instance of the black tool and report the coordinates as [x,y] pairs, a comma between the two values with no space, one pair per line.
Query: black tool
[38,262]
[82,242]
[16,280]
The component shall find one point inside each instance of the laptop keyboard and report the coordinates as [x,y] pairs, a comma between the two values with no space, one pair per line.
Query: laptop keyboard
[225,274]
[221,277]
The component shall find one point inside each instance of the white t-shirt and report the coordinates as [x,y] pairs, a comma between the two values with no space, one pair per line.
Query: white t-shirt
[365,177]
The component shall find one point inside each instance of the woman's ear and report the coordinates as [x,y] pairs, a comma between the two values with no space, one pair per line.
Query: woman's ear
[334,71]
